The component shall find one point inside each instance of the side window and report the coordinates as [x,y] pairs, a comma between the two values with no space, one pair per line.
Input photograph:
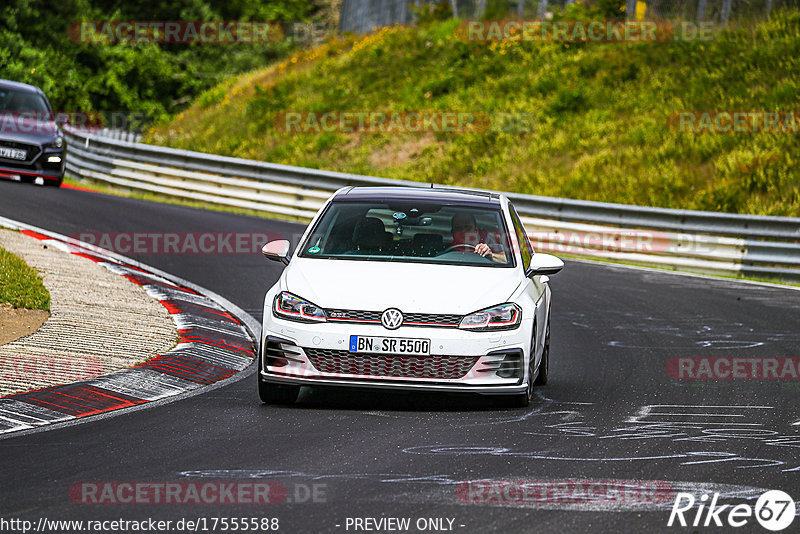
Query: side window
[522,238]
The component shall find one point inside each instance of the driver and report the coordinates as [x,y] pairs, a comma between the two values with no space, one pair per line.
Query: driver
[465,232]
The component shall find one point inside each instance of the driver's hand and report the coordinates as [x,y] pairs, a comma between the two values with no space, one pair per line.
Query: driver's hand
[483,249]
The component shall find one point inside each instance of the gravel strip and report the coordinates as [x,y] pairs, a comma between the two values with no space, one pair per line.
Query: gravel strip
[99,322]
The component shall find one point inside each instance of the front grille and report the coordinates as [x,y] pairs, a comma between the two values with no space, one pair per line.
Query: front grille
[14,144]
[32,151]
[345,363]
[409,319]
[431,319]
[357,316]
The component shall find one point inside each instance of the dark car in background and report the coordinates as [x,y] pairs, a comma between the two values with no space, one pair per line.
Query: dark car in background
[32,146]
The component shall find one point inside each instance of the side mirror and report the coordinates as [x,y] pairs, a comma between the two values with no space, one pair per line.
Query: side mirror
[277,251]
[542,263]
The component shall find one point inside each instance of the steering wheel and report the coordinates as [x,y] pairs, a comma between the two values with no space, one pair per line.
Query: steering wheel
[452,248]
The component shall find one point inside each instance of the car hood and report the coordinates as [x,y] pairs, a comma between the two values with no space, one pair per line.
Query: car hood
[412,288]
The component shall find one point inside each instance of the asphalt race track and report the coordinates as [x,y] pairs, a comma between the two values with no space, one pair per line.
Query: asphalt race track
[611,416]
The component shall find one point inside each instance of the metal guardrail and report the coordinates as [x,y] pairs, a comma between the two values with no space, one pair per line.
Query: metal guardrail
[709,242]
[122,135]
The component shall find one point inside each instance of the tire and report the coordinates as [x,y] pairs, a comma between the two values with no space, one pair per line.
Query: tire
[544,365]
[54,183]
[523,400]
[276,393]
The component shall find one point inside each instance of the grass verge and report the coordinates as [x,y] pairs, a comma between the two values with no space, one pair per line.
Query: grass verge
[20,284]
[590,121]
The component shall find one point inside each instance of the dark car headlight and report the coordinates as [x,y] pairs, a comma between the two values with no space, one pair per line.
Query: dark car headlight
[294,308]
[57,142]
[502,317]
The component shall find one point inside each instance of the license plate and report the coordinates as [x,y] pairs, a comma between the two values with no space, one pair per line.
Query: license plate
[393,345]
[12,153]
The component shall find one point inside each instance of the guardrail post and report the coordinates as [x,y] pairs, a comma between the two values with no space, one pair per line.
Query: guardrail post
[520,7]
[630,10]
[542,9]
[725,16]
[701,10]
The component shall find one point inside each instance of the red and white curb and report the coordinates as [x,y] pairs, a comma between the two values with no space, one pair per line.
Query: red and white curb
[216,341]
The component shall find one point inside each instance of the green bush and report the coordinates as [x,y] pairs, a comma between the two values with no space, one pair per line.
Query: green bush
[149,81]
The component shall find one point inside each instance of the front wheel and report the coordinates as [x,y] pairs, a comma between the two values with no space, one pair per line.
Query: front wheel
[544,365]
[523,400]
[276,393]
[54,183]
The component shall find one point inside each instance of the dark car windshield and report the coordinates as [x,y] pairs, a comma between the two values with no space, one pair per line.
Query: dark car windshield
[411,231]
[15,101]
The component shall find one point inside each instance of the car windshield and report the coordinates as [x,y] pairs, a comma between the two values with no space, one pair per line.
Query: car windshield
[14,101]
[411,232]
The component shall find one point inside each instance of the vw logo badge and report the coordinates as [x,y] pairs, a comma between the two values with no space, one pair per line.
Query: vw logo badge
[392,318]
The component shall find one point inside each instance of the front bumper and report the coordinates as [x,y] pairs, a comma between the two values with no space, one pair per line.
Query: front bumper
[489,363]
[22,174]
[395,386]
[48,163]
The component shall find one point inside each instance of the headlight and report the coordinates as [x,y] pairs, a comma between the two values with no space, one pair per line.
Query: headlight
[58,142]
[502,317]
[294,308]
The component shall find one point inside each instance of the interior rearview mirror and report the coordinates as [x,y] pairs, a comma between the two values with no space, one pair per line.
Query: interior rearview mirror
[277,251]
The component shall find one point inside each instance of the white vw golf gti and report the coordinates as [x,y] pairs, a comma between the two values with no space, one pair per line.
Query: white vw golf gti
[412,289]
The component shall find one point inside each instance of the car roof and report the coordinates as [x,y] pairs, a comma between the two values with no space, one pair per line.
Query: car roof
[439,195]
[8,84]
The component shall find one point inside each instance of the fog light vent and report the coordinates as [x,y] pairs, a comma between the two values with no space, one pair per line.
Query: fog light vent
[279,353]
[511,366]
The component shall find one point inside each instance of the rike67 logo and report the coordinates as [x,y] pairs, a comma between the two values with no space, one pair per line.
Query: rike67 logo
[774,510]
